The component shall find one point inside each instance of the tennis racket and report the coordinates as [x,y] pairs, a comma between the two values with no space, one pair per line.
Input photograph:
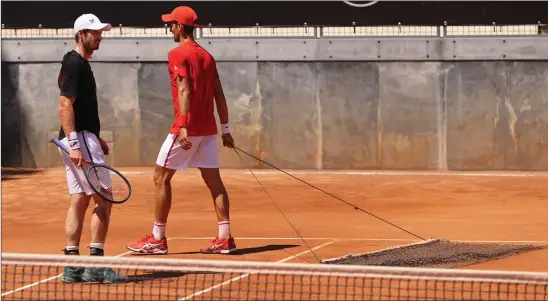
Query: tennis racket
[106,181]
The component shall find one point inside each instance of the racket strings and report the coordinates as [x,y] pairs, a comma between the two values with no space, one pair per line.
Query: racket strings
[108,184]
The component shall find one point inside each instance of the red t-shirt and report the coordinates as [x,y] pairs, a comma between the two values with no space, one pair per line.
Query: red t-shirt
[190,60]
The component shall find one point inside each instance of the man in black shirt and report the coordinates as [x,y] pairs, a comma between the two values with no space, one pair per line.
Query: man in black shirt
[80,127]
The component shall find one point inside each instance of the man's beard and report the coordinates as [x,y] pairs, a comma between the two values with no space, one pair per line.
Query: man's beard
[91,46]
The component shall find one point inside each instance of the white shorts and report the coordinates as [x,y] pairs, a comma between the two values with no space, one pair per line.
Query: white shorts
[203,153]
[90,147]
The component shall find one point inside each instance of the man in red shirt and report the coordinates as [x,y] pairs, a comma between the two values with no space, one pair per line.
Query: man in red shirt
[195,84]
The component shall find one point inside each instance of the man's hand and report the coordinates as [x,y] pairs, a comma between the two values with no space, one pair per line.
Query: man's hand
[183,139]
[104,146]
[76,156]
[228,141]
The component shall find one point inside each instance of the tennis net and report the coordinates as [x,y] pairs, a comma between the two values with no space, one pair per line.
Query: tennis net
[38,277]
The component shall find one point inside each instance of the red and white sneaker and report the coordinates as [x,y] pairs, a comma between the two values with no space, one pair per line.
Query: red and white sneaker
[149,245]
[220,246]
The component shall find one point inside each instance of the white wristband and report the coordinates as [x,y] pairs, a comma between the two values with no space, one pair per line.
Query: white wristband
[73,141]
[73,144]
[72,136]
[225,129]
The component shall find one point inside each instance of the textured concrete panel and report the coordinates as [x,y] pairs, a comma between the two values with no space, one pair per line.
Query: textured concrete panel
[243,97]
[289,102]
[39,101]
[410,102]
[10,116]
[117,92]
[293,49]
[412,50]
[527,140]
[349,97]
[494,48]
[156,109]
[287,49]
[474,97]
[344,49]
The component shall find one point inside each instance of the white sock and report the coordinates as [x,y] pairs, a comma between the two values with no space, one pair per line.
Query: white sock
[96,249]
[97,245]
[72,250]
[224,230]
[159,230]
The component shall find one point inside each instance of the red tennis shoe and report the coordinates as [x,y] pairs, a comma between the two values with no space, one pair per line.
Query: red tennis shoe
[220,246]
[149,245]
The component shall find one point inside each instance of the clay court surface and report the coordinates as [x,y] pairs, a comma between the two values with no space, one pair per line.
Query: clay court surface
[486,207]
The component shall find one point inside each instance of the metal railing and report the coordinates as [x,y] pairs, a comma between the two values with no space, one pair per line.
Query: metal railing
[494,30]
[285,32]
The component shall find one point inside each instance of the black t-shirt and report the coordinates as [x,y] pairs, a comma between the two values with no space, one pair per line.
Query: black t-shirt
[76,79]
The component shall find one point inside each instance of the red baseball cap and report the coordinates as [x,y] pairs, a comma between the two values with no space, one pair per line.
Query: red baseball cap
[182,14]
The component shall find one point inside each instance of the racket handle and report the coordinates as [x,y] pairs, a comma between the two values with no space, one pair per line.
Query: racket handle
[64,147]
[59,144]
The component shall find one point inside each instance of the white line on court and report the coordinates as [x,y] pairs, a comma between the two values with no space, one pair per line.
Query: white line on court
[401,173]
[357,173]
[247,274]
[30,285]
[297,238]
[505,241]
[367,239]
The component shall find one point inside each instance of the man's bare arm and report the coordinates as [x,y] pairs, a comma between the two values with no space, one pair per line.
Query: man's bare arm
[220,101]
[222,110]
[183,95]
[183,99]
[66,114]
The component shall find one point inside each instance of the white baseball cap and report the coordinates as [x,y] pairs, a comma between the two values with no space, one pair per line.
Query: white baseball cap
[90,21]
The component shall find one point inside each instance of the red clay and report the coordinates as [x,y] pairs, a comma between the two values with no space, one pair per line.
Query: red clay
[447,207]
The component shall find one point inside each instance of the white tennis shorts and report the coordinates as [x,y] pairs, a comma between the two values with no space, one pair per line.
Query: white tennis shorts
[91,151]
[203,153]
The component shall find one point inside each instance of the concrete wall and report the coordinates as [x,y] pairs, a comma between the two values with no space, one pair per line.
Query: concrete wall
[484,114]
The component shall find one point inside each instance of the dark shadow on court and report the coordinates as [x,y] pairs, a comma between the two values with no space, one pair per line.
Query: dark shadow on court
[10,173]
[154,275]
[238,252]
[150,276]
[263,249]
[170,253]
[161,275]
